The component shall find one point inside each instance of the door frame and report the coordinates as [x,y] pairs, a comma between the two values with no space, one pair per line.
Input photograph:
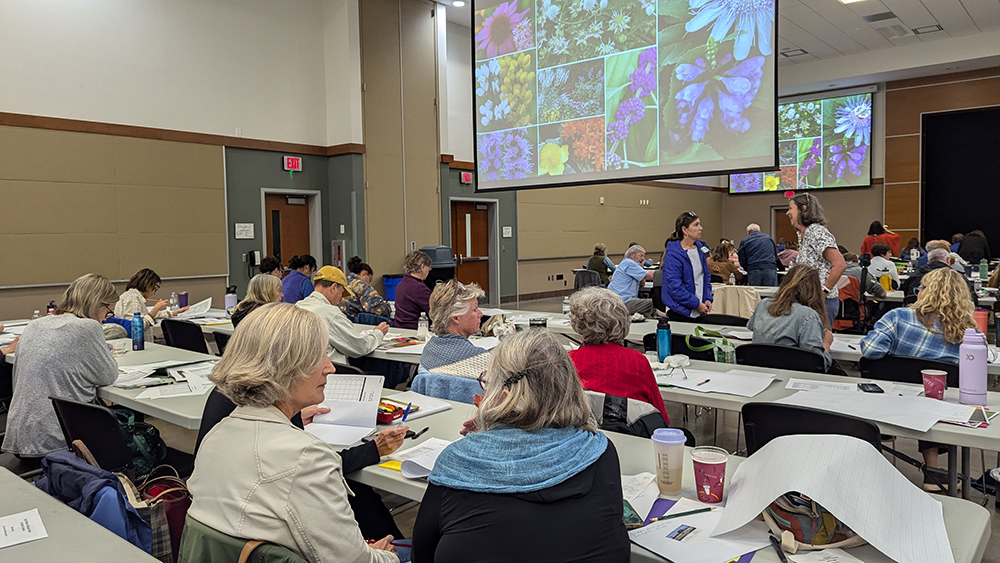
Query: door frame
[493,228]
[314,201]
[774,225]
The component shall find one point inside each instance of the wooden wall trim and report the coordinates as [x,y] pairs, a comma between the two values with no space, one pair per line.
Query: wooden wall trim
[80,126]
[449,159]
[943,78]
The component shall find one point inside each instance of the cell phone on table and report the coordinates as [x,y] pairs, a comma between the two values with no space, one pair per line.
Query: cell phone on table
[630,516]
[870,388]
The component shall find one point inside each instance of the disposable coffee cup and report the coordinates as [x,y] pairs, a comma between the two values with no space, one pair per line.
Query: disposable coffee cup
[709,472]
[935,382]
[668,448]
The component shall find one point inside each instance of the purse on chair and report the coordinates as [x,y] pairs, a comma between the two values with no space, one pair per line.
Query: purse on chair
[169,499]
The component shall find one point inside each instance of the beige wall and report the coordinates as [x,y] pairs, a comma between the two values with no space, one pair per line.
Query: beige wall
[557,227]
[848,212]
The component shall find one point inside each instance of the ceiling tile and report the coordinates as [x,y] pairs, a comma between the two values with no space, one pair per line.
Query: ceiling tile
[849,22]
[952,16]
[817,25]
[911,12]
[986,13]
[804,39]
[908,40]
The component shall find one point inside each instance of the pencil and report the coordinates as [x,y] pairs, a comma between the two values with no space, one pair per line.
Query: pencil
[679,514]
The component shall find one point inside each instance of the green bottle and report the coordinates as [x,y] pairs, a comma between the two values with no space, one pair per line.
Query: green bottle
[983,269]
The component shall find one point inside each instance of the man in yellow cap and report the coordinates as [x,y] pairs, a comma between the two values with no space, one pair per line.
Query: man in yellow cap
[344,341]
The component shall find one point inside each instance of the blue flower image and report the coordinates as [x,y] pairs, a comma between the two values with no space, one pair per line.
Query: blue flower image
[854,119]
[747,15]
[727,86]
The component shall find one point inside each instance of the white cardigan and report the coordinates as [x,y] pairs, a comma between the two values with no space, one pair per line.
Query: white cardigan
[132,302]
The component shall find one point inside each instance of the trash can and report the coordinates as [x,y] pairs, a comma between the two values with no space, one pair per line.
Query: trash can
[391,281]
[442,264]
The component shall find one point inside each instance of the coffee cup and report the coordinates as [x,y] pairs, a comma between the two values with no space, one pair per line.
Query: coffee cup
[935,382]
[709,472]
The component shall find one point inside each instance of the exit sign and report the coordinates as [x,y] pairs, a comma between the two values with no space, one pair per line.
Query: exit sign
[293,163]
[466,177]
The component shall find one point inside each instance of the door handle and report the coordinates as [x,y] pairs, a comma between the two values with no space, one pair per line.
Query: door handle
[461,259]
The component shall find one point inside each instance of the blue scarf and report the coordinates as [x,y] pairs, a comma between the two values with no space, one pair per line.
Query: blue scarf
[508,460]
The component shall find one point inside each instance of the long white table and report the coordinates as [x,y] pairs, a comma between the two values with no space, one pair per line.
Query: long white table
[967,524]
[71,535]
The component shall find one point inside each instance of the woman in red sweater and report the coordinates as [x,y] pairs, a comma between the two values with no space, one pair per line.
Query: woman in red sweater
[876,234]
[600,318]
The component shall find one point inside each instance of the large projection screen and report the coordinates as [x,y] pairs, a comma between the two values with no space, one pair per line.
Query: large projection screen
[588,91]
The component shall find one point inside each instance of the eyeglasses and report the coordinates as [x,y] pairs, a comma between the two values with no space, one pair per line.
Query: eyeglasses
[482,382]
[917,289]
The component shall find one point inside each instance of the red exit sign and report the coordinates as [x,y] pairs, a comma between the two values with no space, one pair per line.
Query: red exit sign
[293,163]
[466,177]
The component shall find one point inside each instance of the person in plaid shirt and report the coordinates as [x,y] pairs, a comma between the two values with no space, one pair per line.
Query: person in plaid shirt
[932,328]
[365,298]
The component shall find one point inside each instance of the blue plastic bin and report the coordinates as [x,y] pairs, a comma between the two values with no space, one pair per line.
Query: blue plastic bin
[391,281]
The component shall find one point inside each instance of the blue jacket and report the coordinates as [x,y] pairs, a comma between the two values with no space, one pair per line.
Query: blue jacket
[757,252]
[295,287]
[678,278]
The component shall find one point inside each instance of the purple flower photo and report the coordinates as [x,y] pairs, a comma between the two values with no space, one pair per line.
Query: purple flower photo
[507,155]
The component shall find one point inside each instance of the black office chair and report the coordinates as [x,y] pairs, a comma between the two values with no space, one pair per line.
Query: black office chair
[780,357]
[217,407]
[27,468]
[184,334]
[720,319]
[717,279]
[221,340]
[344,369]
[97,427]
[763,422]
[905,370]
[585,278]
[657,292]
[909,300]
[679,345]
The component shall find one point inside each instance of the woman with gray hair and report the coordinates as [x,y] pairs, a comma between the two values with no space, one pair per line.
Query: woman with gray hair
[817,247]
[455,316]
[603,363]
[534,456]
[65,356]
[412,294]
[262,289]
[601,264]
[283,486]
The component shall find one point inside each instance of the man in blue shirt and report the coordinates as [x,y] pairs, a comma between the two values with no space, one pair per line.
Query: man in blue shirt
[626,279]
[759,257]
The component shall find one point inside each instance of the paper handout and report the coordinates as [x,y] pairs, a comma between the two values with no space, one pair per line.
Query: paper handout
[813,385]
[353,403]
[915,413]
[641,492]
[822,467]
[197,310]
[21,527]
[688,538]
[733,382]
[418,462]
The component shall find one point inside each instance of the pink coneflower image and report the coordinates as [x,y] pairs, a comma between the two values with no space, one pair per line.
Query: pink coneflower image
[497,35]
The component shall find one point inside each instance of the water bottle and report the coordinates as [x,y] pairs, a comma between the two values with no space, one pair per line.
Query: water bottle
[231,300]
[37,315]
[565,305]
[51,309]
[732,279]
[977,285]
[984,269]
[662,339]
[138,340]
[972,356]
[422,325]
[174,302]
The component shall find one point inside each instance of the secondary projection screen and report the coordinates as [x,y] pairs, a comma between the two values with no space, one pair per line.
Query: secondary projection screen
[588,91]
[822,143]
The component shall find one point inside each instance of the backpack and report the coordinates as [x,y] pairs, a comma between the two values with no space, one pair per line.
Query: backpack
[802,524]
[143,441]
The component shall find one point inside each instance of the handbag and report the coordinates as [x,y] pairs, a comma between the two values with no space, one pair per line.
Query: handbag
[724,351]
[142,439]
[804,525]
[169,500]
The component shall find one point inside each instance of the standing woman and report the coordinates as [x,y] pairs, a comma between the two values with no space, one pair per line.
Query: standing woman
[263,289]
[297,285]
[687,282]
[364,299]
[878,233]
[818,247]
[63,356]
[412,294]
[141,288]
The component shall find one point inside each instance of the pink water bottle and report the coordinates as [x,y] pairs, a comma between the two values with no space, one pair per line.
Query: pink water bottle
[972,356]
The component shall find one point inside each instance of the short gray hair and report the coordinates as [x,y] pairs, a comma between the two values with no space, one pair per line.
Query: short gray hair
[450,299]
[939,255]
[810,210]
[599,316]
[271,351]
[414,260]
[531,384]
[753,227]
[937,244]
[633,249]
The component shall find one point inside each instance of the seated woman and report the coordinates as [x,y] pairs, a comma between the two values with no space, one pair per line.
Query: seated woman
[365,298]
[796,315]
[270,265]
[931,328]
[285,486]
[720,263]
[913,252]
[412,294]
[602,363]
[601,264]
[262,289]
[298,285]
[534,480]
[687,283]
[63,356]
[141,288]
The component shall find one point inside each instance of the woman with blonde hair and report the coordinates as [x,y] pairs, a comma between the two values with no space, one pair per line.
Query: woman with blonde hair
[65,356]
[795,316]
[262,289]
[535,455]
[284,486]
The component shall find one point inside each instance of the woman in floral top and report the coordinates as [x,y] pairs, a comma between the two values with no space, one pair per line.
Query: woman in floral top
[817,247]
[365,298]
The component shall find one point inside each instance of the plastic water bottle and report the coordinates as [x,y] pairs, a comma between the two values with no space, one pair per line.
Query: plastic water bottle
[138,339]
[51,309]
[422,325]
[732,279]
[231,300]
[984,269]
[972,356]
[662,339]
[565,307]
[37,315]
[174,302]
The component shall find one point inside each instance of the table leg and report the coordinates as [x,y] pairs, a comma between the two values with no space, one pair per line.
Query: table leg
[953,470]
[966,470]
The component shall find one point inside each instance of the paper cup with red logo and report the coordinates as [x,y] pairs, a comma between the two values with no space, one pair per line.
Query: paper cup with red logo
[935,382]
[709,472]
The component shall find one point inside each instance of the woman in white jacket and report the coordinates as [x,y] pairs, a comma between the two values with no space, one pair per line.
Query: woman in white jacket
[141,288]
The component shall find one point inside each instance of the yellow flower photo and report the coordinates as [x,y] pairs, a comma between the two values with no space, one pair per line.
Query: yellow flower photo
[552,159]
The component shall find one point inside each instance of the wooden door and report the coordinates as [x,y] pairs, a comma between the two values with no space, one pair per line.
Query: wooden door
[470,240]
[783,227]
[287,226]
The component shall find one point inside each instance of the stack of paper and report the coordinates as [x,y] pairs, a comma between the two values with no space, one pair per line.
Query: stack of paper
[915,413]
[733,382]
[688,538]
[199,309]
[21,527]
[353,403]
[418,462]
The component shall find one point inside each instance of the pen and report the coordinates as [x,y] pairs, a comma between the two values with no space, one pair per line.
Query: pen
[418,434]
[406,412]
[703,382]
[777,547]
[679,514]
[851,346]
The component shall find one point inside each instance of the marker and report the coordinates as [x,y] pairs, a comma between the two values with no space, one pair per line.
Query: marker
[777,547]
[418,434]
[679,514]
[406,412]
[703,382]
[851,346]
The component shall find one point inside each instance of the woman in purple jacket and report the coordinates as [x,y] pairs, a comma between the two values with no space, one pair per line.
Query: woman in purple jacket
[412,294]
[687,283]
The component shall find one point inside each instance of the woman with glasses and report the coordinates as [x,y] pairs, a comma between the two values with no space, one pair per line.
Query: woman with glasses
[44,368]
[687,281]
[141,288]
[534,480]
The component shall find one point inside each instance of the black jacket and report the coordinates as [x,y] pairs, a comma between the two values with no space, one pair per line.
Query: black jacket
[911,283]
[757,252]
[973,249]
[579,519]
[243,310]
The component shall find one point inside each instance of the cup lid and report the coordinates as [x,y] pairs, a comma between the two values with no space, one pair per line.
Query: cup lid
[669,436]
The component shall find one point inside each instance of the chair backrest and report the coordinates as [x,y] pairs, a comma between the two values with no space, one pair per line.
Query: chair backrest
[97,427]
[679,345]
[909,300]
[184,334]
[719,319]
[780,357]
[344,369]
[657,293]
[717,279]
[217,407]
[370,319]
[586,278]
[203,543]
[905,370]
[763,422]
[221,340]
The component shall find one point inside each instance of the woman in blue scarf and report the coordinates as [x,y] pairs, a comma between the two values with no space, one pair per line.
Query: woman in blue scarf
[535,480]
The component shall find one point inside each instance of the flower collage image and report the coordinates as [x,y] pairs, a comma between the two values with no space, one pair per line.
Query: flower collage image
[580,86]
[822,144]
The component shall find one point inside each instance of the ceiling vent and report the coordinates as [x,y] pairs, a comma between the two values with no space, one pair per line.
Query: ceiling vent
[888,25]
[793,52]
[927,29]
